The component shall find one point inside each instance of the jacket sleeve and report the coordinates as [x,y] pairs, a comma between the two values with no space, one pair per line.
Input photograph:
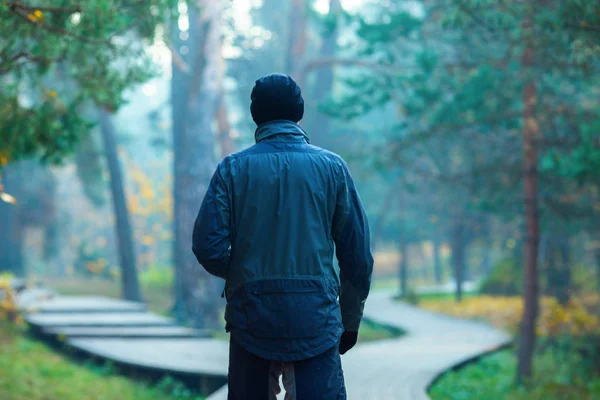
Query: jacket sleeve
[211,241]
[353,250]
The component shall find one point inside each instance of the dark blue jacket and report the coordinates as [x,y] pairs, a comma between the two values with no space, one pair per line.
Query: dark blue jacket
[269,225]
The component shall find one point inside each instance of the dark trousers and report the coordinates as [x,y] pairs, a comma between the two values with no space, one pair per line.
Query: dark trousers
[255,378]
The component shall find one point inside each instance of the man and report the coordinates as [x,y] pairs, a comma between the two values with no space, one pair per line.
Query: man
[269,225]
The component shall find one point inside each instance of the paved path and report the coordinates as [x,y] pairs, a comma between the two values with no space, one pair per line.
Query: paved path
[403,368]
[395,369]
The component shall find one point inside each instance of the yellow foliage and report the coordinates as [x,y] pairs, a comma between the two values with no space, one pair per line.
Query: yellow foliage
[8,303]
[4,158]
[115,273]
[576,318]
[36,16]
[148,240]
[96,267]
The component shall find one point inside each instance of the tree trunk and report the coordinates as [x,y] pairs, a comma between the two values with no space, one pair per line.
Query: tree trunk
[11,226]
[179,95]
[564,288]
[296,40]
[129,280]
[530,278]
[224,128]
[197,293]
[597,257]
[437,262]
[51,230]
[458,256]
[318,123]
[382,217]
[403,272]
[403,247]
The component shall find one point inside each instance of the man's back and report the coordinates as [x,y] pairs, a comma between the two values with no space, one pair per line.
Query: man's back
[269,225]
[283,193]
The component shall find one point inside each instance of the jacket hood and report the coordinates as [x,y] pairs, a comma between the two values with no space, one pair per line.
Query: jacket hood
[279,127]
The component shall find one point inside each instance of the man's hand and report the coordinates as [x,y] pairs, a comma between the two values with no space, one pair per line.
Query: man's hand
[347,341]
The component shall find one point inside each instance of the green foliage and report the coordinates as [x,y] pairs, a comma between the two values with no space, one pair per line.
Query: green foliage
[583,161]
[493,378]
[157,277]
[411,297]
[504,280]
[59,56]
[32,371]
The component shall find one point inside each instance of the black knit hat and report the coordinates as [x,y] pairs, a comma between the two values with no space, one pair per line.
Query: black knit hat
[276,96]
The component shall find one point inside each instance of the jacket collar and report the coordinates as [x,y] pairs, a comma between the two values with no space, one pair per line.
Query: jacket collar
[280,127]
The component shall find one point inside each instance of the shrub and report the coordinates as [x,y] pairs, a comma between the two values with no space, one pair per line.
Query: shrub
[505,279]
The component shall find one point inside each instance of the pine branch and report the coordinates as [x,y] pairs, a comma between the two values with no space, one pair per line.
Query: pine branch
[10,64]
[59,31]
[19,5]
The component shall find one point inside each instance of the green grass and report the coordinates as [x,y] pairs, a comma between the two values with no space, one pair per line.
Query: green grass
[445,296]
[370,331]
[493,378]
[31,371]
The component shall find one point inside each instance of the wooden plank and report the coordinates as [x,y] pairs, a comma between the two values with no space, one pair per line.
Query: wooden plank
[126,332]
[85,304]
[97,319]
[18,284]
[29,297]
[190,356]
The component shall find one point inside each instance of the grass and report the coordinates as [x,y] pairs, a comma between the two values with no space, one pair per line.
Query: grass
[562,372]
[371,331]
[493,378]
[32,371]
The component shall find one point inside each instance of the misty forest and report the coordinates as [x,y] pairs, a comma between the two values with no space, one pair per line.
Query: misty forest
[471,128]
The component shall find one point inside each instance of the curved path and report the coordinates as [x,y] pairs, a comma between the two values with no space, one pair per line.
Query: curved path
[403,368]
[394,369]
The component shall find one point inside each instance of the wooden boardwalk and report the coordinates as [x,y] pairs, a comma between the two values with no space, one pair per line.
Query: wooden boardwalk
[126,334]
[396,369]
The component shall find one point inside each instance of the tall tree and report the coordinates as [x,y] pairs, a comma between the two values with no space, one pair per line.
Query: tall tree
[318,122]
[129,278]
[296,40]
[530,282]
[195,99]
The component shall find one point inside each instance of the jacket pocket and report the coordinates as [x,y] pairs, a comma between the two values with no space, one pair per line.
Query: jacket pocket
[287,309]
